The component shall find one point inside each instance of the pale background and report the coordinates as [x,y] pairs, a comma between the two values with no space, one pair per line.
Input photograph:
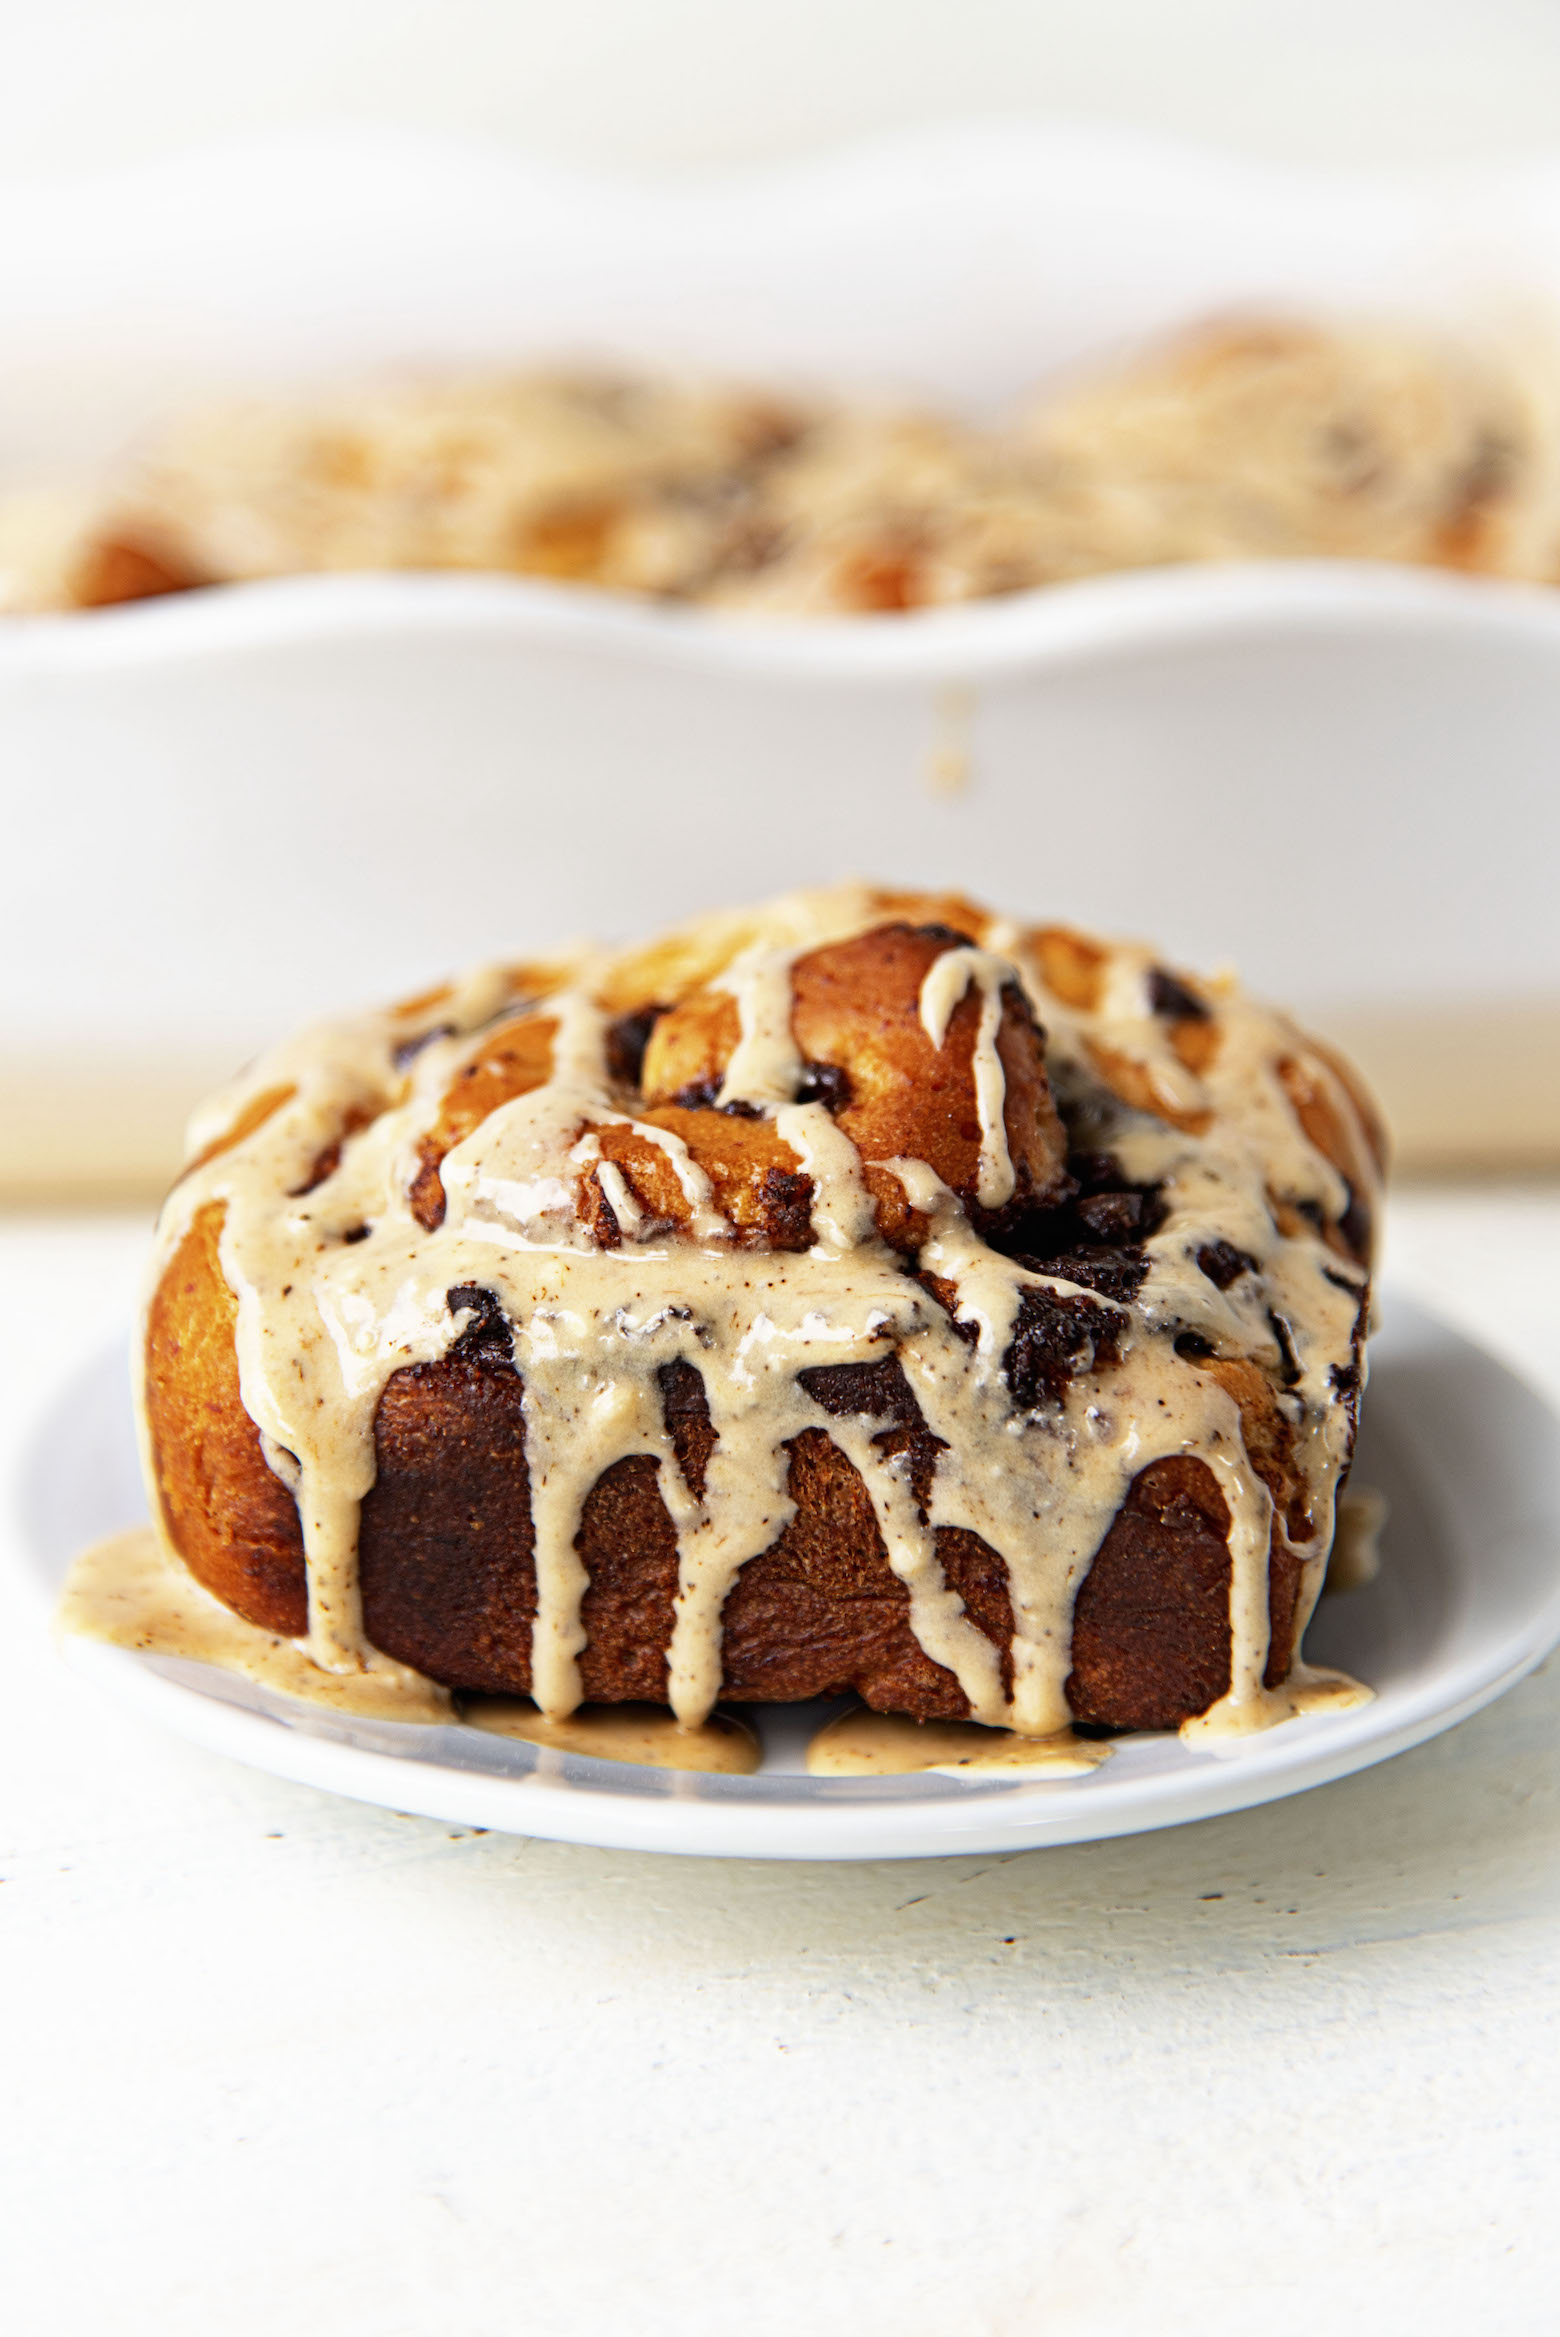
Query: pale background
[283,2062]
[672,84]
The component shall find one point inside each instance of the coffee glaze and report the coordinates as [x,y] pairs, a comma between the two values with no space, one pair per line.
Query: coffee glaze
[646,1735]
[313,1159]
[132,1591]
[883,1744]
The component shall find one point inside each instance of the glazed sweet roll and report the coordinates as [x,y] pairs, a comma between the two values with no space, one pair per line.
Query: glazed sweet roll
[860,1293]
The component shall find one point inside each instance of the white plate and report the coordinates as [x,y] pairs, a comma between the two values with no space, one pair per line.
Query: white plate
[1467,1602]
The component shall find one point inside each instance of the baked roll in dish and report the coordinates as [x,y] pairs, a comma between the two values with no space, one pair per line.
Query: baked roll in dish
[858,1293]
[1254,438]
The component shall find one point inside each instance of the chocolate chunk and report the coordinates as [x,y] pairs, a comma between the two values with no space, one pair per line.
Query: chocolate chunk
[1055,1339]
[1172,999]
[1347,1382]
[326,1163]
[880,1390]
[1111,1217]
[826,1084]
[1095,1238]
[323,1167]
[1292,1374]
[949,935]
[686,1409]
[1355,1226]
[682,1388]
[627,1039]
[1100,1176]
[947,1296]
[700,1095]
[486,1339]
[1096,1172]
[1224,1264]
[1117,1274]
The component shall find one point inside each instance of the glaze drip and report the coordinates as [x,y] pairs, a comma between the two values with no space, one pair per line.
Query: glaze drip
[950,977]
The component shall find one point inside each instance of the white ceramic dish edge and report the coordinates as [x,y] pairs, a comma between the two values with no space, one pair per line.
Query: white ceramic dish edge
[1057,625]
[960,265]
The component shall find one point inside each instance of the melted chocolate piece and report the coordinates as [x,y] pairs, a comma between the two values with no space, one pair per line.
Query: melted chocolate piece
[1224,1264]
[1355,1226]
[686,1409]
[1099,1175]
[826,1084]
[1056,1339]
[1292,1374]
[1114,1274]
[699,1096]
[1095,1238]
[1112,1217]
[326,1163]
[1346,1379]
[882,1392]
[1172,999]
[487,1339]
[627,1039]
[947,1297]
[324,1166]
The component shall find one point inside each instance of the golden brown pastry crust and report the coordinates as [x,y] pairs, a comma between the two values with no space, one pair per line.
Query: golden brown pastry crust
[233,1522]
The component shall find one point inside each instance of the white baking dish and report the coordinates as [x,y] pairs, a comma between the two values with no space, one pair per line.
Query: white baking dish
[227,809]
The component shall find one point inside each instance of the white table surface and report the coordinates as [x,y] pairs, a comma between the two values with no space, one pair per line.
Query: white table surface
[273,2061]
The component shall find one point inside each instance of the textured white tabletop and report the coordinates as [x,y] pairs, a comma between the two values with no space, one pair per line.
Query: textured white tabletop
[277,2062]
